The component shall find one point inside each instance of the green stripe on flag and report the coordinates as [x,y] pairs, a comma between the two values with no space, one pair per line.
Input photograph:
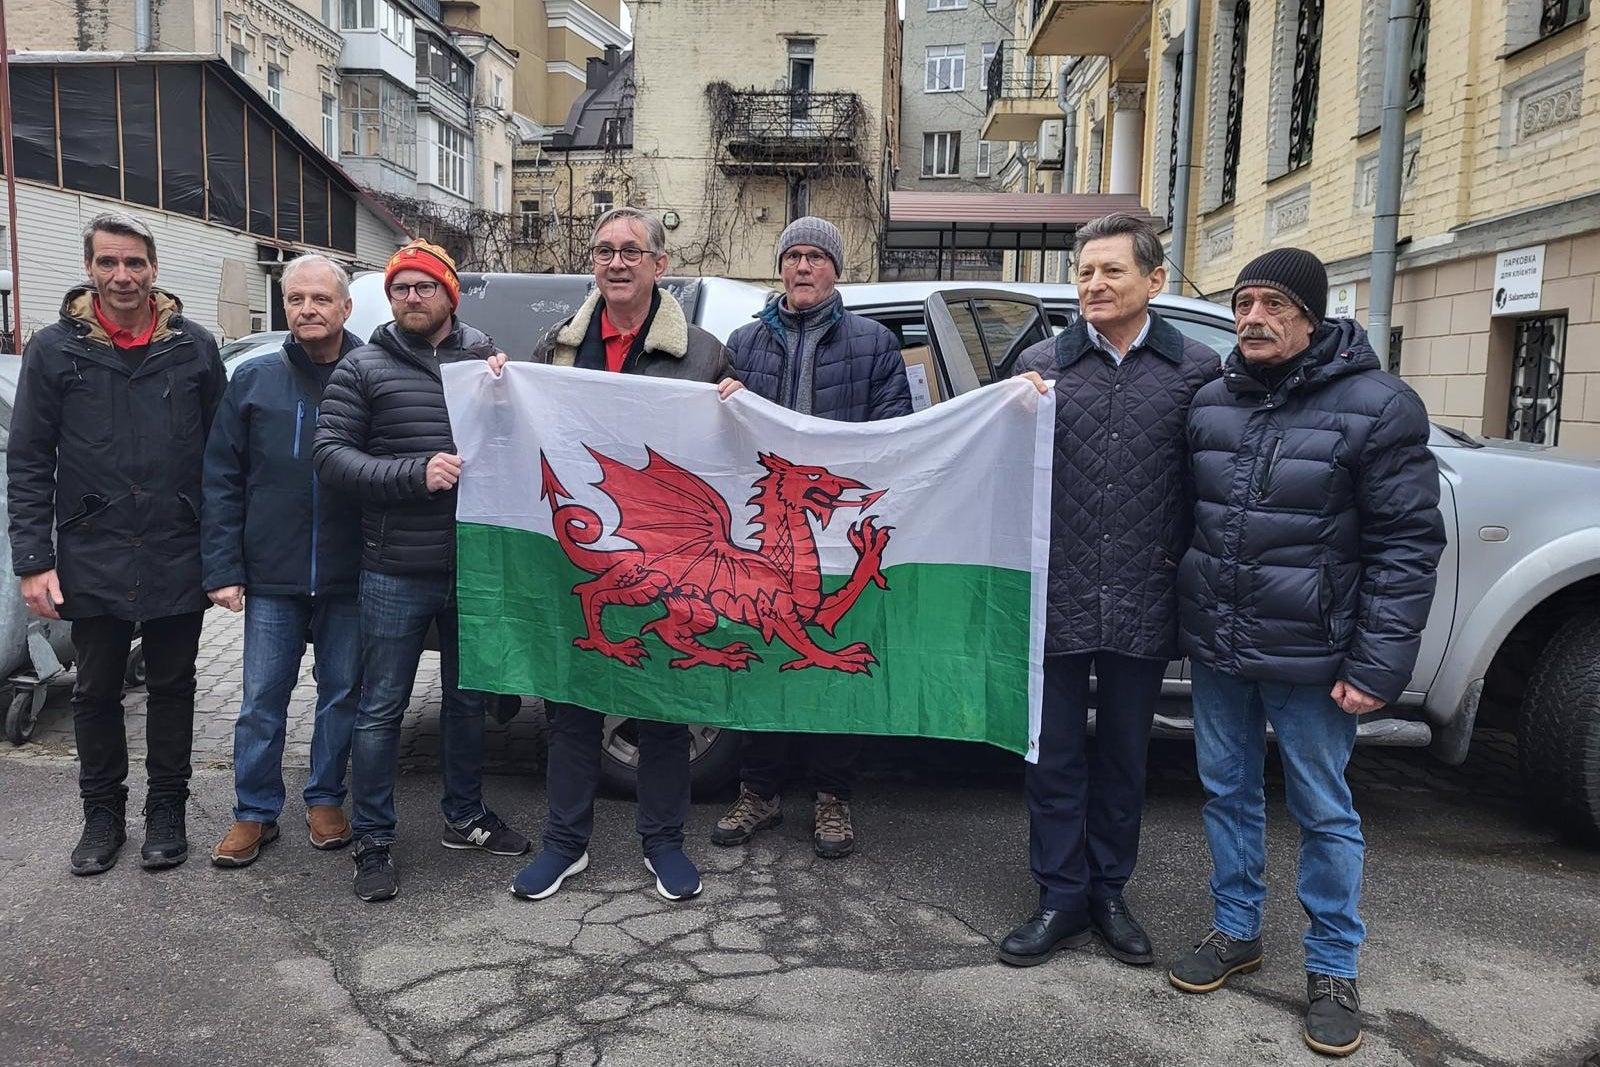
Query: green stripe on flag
[951,642]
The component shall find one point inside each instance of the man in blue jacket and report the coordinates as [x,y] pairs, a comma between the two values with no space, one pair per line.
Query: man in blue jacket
[287,554]
[1301,603]
[806,352]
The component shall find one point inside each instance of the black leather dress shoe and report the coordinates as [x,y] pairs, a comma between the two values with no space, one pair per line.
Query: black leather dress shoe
[1124,938]
[1037,939]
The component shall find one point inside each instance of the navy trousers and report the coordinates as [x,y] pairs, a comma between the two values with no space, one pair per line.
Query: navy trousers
[1085,803]
[572,777]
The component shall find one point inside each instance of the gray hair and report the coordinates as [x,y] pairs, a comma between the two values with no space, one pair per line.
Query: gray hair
[1147,250]
[654,232]
[123,226]
[317,259]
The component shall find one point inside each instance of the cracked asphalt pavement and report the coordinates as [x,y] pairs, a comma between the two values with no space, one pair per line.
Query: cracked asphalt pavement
[1484,932]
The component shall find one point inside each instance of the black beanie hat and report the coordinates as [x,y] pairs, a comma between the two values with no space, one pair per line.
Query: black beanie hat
[1295,273]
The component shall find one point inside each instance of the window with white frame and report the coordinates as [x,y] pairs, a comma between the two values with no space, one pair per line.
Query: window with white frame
[498,98]
[275,86]
[941,154]
[988,60]
[239,59]
[378,119]
[532,222]
[380,15]
[602,201]
[330,125]
[947,68]
[499,186]
[946,5]
[984,150]
[451,162]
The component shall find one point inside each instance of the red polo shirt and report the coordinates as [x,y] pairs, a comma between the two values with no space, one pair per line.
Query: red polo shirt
[618,344]
[126,339]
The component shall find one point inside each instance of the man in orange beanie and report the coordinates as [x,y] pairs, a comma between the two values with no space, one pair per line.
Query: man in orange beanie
[384,435]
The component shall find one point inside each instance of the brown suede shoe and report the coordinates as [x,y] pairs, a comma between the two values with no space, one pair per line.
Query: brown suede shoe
[327,826]
[242,843]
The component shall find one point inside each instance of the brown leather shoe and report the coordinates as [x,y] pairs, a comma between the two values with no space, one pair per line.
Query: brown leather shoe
[242,843]
[327,826]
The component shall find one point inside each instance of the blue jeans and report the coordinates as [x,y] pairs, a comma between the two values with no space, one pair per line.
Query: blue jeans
[274,642]
[1315,739]
[396,610]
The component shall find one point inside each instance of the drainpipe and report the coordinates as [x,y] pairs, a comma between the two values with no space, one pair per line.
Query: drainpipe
[141,25]
[1069,129]
[1179,246]
[216,18]
[1391,168]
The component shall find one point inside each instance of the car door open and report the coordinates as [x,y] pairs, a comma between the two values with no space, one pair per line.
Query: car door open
[977,334]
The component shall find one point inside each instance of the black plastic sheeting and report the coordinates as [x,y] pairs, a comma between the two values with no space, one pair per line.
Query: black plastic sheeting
[288,192]
[183,173]
[342,216]
[33,123]
[314,205]
[89,136]
[141,165]
[263,211]
[225,154]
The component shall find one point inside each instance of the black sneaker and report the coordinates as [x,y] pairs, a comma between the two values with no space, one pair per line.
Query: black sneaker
[166,839]
[103,836]
[488,833]
[1333,1019]
[375,874]
[1213,961]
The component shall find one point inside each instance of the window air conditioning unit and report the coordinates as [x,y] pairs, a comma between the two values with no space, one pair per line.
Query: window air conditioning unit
[1052,135]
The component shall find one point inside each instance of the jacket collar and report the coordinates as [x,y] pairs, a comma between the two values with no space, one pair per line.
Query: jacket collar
[295,352]
[77,311]
[773,313]
[1339,347]
[1163,338]
[666,332]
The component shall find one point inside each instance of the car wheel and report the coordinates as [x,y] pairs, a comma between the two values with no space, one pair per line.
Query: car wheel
[134,675]
[713,757]
[1559,739]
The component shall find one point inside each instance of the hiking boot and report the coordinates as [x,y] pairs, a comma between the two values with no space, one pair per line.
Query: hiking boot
[749,813]
[104,832]
[487,833]
[1037,939]
[1213,961]
[166,838]
[1333,1019]
[543,877]
[676,876]
[834,837]
[1124,938]
[327,826]
[243,842]
[375,874]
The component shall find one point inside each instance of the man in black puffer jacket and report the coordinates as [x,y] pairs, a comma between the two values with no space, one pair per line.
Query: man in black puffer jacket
[1120,520]
[806,352]
[384,435]
[1302,600]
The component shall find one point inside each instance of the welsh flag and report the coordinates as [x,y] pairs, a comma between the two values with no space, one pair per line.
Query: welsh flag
[640,547]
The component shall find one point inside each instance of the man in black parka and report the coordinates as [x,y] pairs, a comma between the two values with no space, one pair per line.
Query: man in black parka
[1302,601]
[113,405]
[1120,521]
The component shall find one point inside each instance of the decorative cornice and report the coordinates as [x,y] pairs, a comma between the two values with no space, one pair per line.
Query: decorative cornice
[561,66]
[584,21]
[291,20]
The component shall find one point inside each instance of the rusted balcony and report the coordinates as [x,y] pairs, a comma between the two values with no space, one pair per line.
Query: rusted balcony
[1084,27]
[785,131]
[1018,99]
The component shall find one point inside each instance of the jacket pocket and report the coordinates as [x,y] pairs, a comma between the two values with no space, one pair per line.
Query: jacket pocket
[182,396]
[1264,480]
[1325,600]
[90,505]
[188,512]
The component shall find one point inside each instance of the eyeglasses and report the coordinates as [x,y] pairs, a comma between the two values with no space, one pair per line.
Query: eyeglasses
[792,258]
[603,254]
[402,290]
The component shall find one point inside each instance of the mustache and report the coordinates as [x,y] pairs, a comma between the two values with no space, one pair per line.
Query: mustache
[1257,332]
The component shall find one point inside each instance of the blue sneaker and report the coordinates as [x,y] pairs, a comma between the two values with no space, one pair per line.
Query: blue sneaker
[544,875]
[676,877]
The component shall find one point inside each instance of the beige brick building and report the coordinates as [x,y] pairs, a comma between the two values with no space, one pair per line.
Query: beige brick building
[1501,156]
[750,113]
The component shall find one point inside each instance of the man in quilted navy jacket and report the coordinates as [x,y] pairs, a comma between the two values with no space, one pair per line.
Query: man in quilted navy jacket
[1120,520]
[1301,605]
[806,352]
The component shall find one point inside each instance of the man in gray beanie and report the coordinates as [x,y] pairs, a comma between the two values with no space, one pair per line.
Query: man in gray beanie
[806,352]
[1301,603]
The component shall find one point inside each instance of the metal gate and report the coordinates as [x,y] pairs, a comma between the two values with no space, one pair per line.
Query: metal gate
[1534,413]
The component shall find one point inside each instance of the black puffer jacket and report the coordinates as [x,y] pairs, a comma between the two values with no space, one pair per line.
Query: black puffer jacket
[1120,502]
[106,453]
[859,374]
[383,417]
[1317,526]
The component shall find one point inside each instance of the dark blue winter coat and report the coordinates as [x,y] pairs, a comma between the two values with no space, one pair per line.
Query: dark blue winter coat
[267,523]
[859,375]
[1317,526]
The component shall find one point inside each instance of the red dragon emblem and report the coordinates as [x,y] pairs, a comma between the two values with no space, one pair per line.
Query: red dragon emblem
[685,557]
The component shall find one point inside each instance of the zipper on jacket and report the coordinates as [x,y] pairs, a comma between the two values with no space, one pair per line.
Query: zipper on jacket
[799,357]
[1266,467]
[315,495]
[299,422]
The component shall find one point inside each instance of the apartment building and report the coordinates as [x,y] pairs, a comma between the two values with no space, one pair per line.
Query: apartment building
[1497,314]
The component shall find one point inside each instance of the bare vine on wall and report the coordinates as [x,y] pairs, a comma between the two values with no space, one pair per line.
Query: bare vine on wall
[476,238]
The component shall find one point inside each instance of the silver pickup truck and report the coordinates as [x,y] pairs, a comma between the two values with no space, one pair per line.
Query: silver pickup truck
[1513,640]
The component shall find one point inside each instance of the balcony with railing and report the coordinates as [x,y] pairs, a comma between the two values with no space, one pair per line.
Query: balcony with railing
[1084,27]
[786,131]
[1019,96]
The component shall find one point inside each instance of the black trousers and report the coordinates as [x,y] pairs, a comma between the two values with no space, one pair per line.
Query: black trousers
[830,761]
[572,776]
[1085,805]
[170,647]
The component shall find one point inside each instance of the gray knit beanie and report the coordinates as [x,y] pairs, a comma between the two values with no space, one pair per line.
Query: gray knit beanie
[818,233]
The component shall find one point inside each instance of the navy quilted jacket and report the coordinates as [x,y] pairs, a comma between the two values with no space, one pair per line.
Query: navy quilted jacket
[1317,526]
[1120,504]
[859,375]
